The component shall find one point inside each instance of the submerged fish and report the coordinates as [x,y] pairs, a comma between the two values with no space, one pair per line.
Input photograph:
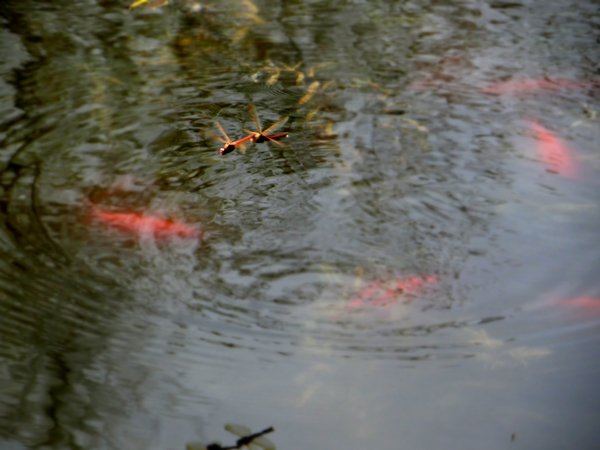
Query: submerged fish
[381,293]
[140,222]
[591,304]
[557,157]
[527,86]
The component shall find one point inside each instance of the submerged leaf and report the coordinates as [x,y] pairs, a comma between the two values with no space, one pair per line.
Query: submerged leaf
[415,124]
[273,78]
[251,6]
[151,3]
[310,92]
[137,3]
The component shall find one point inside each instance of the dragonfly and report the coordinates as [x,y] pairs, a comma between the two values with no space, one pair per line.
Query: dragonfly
[229,144]
[254,441]
[259,135]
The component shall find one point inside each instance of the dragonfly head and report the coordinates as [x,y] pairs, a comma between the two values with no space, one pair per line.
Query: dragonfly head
[227,148]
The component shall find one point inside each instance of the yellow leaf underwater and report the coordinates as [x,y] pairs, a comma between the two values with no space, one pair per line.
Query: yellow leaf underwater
[151,4]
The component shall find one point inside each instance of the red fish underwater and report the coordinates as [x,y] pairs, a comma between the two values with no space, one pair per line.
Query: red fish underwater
[380,293]
[529,86]
[139,222]
[589,304]
[557,157]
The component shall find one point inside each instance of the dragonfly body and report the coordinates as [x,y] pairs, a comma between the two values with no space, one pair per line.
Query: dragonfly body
[259,136]
[229,144]
[255,137]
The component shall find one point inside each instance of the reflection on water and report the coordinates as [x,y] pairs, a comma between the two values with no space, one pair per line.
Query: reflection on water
[423,240]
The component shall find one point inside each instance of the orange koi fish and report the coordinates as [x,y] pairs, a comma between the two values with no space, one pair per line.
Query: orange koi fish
[590,304]
[527,86]
[382,293]
[557,157]
[138,222]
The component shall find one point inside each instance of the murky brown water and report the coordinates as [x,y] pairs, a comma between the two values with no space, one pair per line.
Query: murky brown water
[416,267]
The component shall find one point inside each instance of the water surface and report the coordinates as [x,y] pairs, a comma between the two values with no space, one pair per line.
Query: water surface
[290,302]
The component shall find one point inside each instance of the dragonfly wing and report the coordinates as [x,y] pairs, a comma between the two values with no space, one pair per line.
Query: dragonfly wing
[276,124]
[214,136]
[238,430]
[223,131]
[254,117]
[251,132]
[273,140]
[263,442]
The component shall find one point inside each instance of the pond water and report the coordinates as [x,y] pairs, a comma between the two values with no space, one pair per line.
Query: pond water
[417,266]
